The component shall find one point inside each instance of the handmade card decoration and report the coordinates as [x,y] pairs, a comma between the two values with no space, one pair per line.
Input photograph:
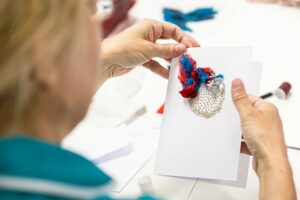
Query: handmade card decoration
[203,89]
[201,131]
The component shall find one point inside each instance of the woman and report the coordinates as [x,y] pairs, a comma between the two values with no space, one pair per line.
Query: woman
[49,70]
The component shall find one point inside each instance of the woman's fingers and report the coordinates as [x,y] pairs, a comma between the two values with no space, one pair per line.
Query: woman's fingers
[240,99]
[168,60]
[155,67]
[165,30]
[171,31]
[167,50]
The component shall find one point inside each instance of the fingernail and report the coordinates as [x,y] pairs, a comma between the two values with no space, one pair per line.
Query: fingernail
[180,48]
[237,84]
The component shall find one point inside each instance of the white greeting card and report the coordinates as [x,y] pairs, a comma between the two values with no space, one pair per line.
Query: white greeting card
[207,148]
[244,159]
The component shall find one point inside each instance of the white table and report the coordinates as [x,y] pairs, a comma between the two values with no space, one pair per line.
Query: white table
[274,34]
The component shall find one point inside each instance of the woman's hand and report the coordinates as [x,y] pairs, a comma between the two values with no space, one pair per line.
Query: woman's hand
[137,46]
[261,126]
[263,133]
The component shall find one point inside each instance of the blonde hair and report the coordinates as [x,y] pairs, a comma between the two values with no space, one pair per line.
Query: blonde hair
[23,23]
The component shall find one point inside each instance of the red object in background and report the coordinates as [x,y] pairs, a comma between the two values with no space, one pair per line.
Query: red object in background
[119,13]
[161,109]
[286,87]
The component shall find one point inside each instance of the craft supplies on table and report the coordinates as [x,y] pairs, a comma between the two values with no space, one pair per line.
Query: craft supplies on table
[146,185]
[181,19]
[282,92]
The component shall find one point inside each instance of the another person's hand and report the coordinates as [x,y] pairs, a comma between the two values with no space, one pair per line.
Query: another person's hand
[137,46]
[263,134]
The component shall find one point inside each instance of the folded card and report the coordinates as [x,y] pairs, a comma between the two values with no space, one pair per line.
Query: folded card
[200,133]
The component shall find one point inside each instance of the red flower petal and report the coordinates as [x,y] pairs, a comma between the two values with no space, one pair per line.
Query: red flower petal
[207,70]
[189,91]
[195,76]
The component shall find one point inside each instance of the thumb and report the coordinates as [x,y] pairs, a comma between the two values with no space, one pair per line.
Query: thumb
[240,98]
[168,50]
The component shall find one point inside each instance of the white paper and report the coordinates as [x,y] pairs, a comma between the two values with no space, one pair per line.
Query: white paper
[108,111]
[144,133]
[241,180]
[99,144]
[195,147]
[256,68]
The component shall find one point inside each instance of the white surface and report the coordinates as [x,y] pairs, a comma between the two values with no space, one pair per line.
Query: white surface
[216,141]
[274,32]
[113,104]
[179,189]
[215,192]
[98,144]
[107,110]
[166,187]
[242,176]
[144,140]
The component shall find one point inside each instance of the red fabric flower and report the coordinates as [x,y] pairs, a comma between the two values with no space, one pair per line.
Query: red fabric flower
[189,78]
[189,91]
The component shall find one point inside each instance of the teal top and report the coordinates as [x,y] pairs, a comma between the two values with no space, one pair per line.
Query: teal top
[34,169]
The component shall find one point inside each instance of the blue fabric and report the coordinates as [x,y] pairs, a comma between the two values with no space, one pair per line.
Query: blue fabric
[31,158]
[13,195]
[181,19]
[202,76]
[189,81]
[186,64]
[219,76]
[27,157]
